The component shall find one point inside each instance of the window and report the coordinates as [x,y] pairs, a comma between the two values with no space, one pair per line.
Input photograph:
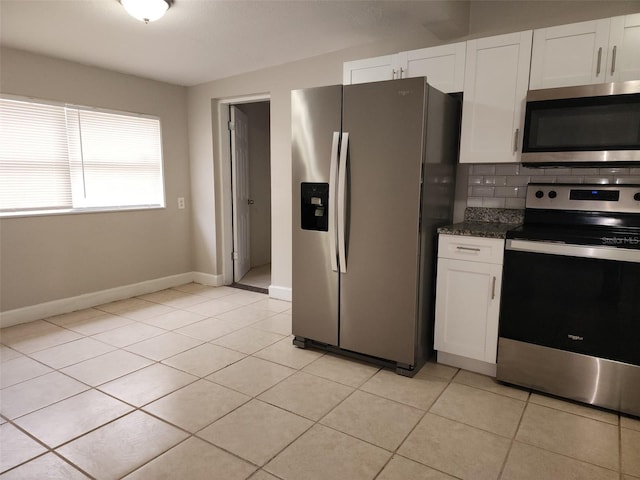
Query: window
[58,158]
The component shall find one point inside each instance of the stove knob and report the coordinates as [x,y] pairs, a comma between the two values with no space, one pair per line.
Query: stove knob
[636,197]
[539,194]
[553,194]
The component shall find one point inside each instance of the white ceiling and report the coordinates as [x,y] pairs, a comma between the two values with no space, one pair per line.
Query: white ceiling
[202,40]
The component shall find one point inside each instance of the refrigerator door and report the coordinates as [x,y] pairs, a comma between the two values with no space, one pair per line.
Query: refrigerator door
[316,116]
[379,290]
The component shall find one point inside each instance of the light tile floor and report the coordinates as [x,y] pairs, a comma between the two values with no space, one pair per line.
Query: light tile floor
[258,277]
[203,383]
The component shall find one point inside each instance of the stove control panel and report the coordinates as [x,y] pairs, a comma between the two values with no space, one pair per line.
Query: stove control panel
[584,197]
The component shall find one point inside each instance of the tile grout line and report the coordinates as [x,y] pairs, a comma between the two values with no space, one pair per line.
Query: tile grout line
[395,452]
[135,408]
[194,434]
[563,454]
[49,450]
[620,448]
[513,438]
[255,397]
[450,381]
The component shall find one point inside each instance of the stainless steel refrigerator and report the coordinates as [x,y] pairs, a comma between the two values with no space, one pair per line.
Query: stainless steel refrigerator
[373,170]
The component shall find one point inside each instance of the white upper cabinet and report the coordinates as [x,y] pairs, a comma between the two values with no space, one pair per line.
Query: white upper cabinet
[495,88]
[369,70]
[599,51]
[568,55]
[443,66]
[624,47]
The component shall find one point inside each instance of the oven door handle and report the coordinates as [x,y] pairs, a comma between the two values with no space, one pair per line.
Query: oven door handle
[569,250]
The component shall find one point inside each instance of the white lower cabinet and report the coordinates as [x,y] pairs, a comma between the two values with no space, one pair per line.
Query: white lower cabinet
[469,281]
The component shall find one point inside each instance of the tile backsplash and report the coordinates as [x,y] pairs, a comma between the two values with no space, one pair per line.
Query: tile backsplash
[505,186]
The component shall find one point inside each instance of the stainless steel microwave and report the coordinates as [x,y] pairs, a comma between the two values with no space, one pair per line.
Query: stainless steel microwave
[583,125]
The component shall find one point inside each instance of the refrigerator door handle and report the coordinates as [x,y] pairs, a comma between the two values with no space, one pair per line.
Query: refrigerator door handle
[342,203]
[333,180]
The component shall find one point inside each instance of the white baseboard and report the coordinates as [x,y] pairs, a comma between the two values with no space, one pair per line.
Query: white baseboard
[465,363]
[280,293]
[87,300]
[208,279]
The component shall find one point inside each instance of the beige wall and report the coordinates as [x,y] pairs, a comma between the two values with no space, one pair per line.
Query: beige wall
[486,19]
[53,257]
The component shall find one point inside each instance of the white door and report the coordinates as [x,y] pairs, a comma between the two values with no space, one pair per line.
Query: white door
[443,66]
[241,196]
[624,49]
[567,55]
[495,88]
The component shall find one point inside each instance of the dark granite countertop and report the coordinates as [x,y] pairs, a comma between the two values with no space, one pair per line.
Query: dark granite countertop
[485,222]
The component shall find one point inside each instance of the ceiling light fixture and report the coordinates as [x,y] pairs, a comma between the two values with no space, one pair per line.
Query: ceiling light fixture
[146,10]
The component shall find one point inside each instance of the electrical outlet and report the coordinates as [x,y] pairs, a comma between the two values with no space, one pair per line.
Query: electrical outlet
[181,202]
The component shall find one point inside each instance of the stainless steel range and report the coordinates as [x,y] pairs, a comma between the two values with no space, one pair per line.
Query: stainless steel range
[570,313]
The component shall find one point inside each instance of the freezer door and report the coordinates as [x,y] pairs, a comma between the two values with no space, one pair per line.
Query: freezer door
[316,116]
[379,290]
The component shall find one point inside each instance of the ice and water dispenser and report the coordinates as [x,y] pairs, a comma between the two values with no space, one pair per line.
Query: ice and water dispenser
[314,206]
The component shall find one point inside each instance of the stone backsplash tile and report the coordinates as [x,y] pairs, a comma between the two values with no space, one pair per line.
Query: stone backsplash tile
[505,186]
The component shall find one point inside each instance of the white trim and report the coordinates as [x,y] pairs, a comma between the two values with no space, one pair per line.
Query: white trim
[224,224]
[280,293]
[258,97]
[87,300]
[470,364]
[208,279]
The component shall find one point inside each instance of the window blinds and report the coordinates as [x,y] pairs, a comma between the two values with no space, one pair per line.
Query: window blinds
[34,160]
[68,157]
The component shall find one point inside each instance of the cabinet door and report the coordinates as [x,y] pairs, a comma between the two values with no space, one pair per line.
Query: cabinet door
[443,66]
[495,88]
[624,49]
[567,55]
[368,70]
[467,308]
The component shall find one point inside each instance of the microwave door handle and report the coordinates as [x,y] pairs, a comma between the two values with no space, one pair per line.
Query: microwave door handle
[613,59]
[333,180]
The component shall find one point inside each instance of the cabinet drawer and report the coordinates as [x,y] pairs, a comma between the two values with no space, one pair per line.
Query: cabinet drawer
[473,249]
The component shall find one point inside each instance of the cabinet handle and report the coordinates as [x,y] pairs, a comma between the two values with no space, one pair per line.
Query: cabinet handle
[468,248]
[516,134]
[401,72]
[613,59]
[395,72]
[493,289]
[599,61]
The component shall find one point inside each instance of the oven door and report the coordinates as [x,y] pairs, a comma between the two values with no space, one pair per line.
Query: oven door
[581,299]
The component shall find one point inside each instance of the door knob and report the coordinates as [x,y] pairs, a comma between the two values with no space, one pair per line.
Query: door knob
[250,201]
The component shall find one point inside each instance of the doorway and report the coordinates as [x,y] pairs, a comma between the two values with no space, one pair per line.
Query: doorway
[249,137]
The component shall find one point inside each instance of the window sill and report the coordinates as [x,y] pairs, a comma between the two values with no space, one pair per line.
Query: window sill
[76,211]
